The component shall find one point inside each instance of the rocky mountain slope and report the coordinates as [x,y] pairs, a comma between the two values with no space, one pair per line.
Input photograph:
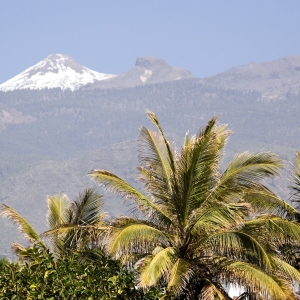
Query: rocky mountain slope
[274,80]
[147,70]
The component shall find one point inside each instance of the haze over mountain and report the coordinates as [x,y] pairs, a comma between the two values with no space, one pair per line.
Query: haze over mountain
[51,137]
[55,71]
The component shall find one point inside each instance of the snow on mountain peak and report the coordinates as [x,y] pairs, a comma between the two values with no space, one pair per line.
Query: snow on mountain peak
[55,71]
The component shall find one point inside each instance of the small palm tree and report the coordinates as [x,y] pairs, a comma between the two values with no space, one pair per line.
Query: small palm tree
[72,225]
[75,224]
[204,228]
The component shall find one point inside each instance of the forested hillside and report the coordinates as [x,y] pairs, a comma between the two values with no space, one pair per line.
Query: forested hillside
[50,139]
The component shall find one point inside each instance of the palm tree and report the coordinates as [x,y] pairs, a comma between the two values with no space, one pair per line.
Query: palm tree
[204,228]
[72,225]
[76,224]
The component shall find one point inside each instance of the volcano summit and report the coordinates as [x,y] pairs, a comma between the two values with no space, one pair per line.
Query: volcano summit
[55,71]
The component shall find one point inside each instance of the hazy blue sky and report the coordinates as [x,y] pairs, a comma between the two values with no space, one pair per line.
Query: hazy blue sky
[206,37]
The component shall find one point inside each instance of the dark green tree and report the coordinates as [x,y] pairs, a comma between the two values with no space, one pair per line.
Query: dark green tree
[70,277]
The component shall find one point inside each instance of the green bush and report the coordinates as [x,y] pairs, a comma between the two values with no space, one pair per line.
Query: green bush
[74,277]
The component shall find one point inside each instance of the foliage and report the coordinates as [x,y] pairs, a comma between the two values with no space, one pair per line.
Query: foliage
[204,228]
[3,262]
[43,277]
[73,225]
[76,268]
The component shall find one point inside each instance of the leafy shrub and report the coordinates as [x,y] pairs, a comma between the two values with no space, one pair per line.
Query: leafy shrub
[78,276]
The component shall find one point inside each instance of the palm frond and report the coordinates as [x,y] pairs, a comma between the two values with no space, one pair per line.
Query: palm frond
[239,245]
[278,229]
[160,197]
[180,275]
[87,208]
[134,236]
[245,172]
[287,270]
[18,249]
[197,167]
[125,190]
[210,292]
[63,229]
[153,155]
[23,226]
[154,120]
[58,206]
[259,282]
[295,194]
[266,202]
[155,266]
[220,216]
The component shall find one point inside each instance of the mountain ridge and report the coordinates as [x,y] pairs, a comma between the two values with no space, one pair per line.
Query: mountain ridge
[274,80]
[147,70]
[62,71]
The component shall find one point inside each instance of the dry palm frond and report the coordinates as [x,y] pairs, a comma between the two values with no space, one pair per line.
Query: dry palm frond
[24,227]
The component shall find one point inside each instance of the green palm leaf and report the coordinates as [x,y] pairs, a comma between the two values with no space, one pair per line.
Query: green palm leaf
[154,120]
[153,154]
[259,282]
[266,202]
[197,168]
[245,173]
[87,208]
[277,228]
[180,275]
[63,229]
[24,227]
[210,292]
[133,235]
[57,210]
[156,266]
[219,216]
[121,187]
[296,180]
[237,245]
[287,270]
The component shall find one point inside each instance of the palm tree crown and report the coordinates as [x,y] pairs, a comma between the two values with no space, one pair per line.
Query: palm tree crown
[204,228]
[72,225]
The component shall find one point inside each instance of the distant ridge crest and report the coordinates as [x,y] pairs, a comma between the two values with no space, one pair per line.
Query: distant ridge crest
[149,62]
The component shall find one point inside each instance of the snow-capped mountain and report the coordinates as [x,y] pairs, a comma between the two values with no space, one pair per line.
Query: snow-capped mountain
[55,71]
